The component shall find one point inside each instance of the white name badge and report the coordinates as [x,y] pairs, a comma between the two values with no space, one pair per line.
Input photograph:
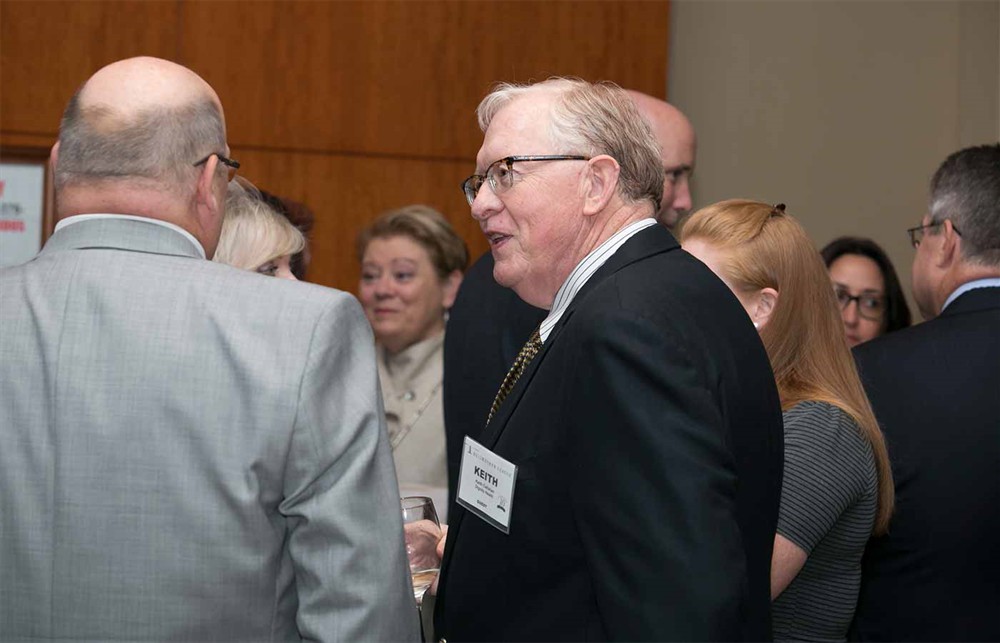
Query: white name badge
[486,484]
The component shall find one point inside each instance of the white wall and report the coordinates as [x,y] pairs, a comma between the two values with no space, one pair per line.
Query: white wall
[841,110]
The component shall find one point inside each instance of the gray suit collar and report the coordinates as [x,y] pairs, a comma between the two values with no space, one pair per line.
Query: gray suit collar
[121,234]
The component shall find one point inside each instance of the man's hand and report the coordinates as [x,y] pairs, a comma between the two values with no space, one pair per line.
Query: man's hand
[440,554]
[422,544]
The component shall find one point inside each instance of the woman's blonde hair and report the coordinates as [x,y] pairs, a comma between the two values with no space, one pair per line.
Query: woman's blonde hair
[254,233]
[804,336]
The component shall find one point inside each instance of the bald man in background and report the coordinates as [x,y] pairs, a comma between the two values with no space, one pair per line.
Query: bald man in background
[190,451]
[675,134]
[488,323]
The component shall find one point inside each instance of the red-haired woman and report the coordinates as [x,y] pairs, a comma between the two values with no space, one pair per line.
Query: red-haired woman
[837,488]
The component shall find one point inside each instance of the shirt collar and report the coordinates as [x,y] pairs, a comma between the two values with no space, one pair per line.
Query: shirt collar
[585,270]
[77,218]
[412,359]
[989,282]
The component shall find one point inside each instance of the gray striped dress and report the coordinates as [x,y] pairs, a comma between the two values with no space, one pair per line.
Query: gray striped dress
[829,497]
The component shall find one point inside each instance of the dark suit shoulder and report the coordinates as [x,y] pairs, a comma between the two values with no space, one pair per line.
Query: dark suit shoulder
[933,388]
[670,285]
[976,313]
[955,346]
[683,299]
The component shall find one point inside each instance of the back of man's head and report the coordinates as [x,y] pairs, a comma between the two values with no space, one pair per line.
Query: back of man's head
[966,190]
[138,125]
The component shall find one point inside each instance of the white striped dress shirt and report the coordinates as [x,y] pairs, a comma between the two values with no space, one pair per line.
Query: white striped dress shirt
[585,270]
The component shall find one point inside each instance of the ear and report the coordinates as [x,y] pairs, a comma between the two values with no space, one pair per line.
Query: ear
[54,157]
[208,208]
[451,284]
[949,250]
[600,184]
[767,300]
[204,195]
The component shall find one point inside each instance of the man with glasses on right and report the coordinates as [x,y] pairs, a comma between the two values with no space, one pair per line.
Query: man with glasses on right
[935,389]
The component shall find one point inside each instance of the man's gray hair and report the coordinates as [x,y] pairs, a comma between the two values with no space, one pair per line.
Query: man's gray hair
[966,189]
[157,146]
[592,119]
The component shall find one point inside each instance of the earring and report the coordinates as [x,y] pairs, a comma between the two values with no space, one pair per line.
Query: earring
[756,325]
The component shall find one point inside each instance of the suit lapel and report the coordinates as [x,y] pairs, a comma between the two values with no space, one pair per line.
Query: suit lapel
[645,243]
[494,429]
[648,242]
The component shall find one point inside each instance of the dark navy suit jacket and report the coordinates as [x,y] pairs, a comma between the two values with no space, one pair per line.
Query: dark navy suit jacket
[487,326]
[629,428]
[935,388]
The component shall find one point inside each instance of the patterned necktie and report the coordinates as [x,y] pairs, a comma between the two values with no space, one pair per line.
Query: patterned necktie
[528,352]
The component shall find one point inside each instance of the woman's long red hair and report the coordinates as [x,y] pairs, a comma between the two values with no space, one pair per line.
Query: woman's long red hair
[804,336]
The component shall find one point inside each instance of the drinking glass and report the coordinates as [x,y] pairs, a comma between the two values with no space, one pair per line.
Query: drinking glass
[422,531]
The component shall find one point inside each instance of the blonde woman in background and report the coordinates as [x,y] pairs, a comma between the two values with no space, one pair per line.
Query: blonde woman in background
[411,266]
[837,488]
[255,236]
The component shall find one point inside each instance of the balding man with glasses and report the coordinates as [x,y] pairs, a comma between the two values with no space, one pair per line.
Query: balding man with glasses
[190,452]
[935,389]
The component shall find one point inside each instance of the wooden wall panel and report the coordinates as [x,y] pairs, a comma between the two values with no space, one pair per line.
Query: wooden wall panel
[403,78]
[351,107]
[47,50]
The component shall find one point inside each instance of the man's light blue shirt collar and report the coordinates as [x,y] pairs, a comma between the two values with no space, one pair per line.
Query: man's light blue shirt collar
[989,282]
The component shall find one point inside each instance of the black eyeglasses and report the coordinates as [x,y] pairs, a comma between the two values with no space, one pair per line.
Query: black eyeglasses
[231,165]
[870,305]
[500,173]
[917,233]
[675,174]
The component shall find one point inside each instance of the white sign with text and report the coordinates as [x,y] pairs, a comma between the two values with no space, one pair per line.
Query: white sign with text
[22,199]
[486,484]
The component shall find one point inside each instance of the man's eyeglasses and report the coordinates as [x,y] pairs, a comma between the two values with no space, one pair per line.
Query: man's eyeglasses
[870,306]
[231,165]
[500,173]
[917,233]
[675,174]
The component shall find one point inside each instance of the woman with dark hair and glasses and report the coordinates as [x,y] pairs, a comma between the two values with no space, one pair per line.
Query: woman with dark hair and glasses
[871,300]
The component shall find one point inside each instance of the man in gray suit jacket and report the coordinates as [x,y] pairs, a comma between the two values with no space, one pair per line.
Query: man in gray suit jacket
[187,451]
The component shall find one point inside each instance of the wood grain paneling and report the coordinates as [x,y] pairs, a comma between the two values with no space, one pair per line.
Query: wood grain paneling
[350,107]
[404,78]
[346,192]
[47,50]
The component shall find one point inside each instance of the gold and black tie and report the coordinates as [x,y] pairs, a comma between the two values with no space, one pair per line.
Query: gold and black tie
[528,352]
